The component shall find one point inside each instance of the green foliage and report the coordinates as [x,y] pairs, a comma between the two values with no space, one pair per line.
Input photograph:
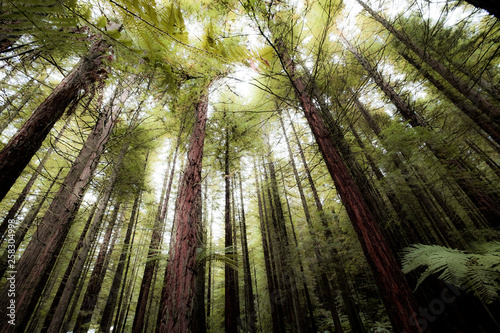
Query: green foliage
[43,26]
[477,272]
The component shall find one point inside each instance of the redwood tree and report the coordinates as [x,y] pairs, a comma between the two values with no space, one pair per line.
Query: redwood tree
[177,305]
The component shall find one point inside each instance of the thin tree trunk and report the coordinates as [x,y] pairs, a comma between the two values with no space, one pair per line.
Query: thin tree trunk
[17,110]
[26,224]
[267,260]
[249,296]
[310,307]
[231,311]
[274,287]
[284,253]
[126,288]
[485,203]
[16,155]
[470,111]
[73,278]
[329,297]
[154,246]
[209,283]
[109,308]
[199,324]
[96,278]
[68,270]
[181,275]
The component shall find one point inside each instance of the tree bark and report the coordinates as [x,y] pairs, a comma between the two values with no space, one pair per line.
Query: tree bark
[324,284]
[181,275]
[73,278]
[470,111]
[109,308]
[16,155]
[486,203]
[26,224]
[231,311]
[68,270]
[276,318]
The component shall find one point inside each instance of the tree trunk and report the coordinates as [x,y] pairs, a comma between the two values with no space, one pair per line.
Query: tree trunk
[324,284]
[209,282]
[95,282]
[487,205]
[73,278]
[284,253]
[199,324]
[16,155]
[154,246]
[275,315]
[27,188]
[395,291]
[126,288]
[310,308]
[56,223]
[181,275]
[68,270]
[231,310]
[470,111]
[26,224]
[249,296]
[109,308]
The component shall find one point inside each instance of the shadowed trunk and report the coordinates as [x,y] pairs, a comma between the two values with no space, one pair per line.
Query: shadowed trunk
[181,275]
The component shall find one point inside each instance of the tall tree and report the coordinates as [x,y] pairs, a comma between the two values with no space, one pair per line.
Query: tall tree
[180,279]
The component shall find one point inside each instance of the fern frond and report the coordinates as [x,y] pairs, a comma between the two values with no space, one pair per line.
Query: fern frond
[478,273]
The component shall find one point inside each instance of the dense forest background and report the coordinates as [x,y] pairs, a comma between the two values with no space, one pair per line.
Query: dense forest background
[249,166]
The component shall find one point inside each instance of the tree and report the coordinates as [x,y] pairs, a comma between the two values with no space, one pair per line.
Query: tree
[177,304]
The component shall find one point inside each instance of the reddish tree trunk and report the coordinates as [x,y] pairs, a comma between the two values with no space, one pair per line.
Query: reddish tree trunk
[20,149]
[395,291]
[181,275]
